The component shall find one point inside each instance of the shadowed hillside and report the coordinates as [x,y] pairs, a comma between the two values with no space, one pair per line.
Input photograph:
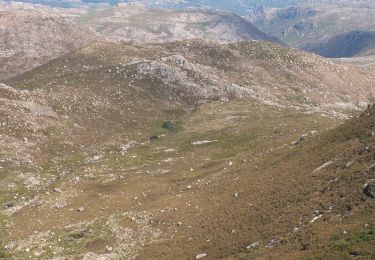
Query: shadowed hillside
[356,43]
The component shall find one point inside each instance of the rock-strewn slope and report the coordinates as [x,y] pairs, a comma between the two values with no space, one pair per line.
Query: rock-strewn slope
[193,72]
[108,151]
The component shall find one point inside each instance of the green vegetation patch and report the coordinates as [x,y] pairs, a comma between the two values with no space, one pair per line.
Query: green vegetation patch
[75,240]
[3,222]
[355,239]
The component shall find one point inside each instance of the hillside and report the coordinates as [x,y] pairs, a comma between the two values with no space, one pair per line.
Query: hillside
[366,63]
[134,22]
[355,43]
[31,36]
[185,149]
[313,21]
[34,34]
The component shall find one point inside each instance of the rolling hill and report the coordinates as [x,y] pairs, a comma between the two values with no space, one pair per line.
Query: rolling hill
[186,150]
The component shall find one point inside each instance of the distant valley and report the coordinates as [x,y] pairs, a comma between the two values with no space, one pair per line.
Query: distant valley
[320,23]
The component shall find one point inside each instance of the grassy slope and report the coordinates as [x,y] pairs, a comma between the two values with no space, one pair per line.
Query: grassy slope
[277,190]
[135,200]
[245,131]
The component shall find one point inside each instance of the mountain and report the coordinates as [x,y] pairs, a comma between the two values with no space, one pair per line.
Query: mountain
[31,36]
[124,137]
[142,24]
[311,20]
[355,43]
[238,6]
[186,149]
[51,32]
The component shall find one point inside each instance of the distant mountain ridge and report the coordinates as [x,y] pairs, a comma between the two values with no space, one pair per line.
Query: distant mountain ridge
[142,24]
[313,21]
[238,6]
[51,32]
[354,43]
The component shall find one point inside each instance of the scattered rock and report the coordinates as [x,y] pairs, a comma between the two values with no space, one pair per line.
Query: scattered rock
[81,209]
[371,168]
[203,142]
[253,245]
[9,204]
[347,166]
[200,256]
[154,138]
[323,166]
[60,205]
[38,203]
[316,218]
[272,242]
[369,189]
[236,194]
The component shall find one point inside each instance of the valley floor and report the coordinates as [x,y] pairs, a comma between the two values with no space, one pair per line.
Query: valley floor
[231,183]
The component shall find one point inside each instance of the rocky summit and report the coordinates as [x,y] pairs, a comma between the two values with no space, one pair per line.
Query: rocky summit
[131,132]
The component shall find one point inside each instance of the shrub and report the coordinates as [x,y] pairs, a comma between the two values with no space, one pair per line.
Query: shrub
[171,126]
